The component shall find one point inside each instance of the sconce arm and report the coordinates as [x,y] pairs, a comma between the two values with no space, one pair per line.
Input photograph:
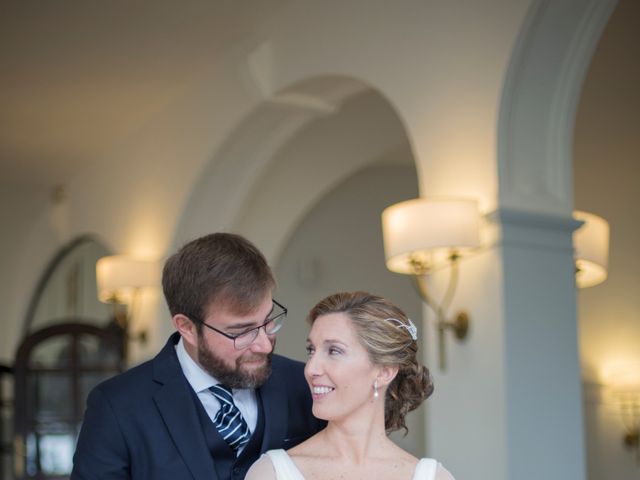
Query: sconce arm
[460,323]
[124,313]
[420,284]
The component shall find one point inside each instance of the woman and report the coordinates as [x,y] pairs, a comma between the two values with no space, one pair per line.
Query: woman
[364,379]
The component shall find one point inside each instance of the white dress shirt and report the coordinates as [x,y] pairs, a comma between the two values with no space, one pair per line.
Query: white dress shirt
[200,381]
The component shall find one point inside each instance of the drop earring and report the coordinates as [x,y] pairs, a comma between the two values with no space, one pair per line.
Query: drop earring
[375,389]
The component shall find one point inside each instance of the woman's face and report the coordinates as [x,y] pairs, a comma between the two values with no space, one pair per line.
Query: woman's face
[338,370]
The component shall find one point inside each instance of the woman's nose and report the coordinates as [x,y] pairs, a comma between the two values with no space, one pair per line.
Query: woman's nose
[313,368]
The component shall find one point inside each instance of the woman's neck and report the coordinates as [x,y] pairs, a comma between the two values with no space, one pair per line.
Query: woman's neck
[358,438]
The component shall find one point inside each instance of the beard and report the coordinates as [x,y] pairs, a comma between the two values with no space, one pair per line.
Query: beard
[237,376]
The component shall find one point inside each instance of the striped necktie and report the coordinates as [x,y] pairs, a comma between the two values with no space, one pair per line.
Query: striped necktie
[228,420]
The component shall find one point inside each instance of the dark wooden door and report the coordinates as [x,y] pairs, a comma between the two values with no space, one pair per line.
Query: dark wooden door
[55,369]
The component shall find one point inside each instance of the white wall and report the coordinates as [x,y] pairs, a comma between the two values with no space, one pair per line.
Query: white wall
[607,183]
[606,173]
[21,266]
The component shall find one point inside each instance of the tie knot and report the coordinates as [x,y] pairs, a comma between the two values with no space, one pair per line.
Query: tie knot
[222,393]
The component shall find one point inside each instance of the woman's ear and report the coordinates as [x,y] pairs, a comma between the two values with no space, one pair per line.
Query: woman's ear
[386,375]
[186,328]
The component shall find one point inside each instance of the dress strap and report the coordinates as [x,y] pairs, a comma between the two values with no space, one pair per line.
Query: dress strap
[283,465]
[426,469]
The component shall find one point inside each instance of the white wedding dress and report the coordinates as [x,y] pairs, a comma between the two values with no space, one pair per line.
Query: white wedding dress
[285,469]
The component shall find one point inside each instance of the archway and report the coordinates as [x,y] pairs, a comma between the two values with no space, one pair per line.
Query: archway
[292,171]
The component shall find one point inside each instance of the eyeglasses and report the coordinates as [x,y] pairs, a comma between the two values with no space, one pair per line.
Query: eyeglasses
[271,326]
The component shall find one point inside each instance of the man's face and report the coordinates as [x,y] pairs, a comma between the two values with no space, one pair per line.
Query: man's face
[246,368]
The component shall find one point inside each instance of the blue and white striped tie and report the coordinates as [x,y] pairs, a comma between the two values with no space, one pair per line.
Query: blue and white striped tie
[228,420]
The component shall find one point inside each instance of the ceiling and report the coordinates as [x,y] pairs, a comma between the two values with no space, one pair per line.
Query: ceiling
[80,76]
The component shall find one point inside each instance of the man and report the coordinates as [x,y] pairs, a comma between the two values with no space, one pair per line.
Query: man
[215,397]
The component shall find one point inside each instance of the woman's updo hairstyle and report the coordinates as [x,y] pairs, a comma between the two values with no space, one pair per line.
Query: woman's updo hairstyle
[386,333]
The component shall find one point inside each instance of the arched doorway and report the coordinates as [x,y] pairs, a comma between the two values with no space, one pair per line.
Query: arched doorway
[298,166]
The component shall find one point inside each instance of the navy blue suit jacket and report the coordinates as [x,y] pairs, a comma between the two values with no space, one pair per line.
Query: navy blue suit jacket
[143,424]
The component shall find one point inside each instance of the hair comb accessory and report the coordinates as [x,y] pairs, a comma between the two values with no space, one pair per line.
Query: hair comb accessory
[413,331]
[411,328]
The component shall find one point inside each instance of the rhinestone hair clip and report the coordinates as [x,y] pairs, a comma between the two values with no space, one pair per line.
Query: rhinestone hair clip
[411,328]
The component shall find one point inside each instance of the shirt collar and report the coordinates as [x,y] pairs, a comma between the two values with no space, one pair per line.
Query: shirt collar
[198,378]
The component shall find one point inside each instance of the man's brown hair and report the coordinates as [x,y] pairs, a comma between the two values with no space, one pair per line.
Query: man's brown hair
[221,268]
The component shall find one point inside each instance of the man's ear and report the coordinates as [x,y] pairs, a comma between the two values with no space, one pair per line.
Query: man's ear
[386,374]
[186,328]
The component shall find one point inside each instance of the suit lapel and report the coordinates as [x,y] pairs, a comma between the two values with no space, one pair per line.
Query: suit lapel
[275,404]
[175,404]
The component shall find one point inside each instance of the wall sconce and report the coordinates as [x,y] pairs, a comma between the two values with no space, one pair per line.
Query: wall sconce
[625,391]
[426,233]
[591,245]
[120,280]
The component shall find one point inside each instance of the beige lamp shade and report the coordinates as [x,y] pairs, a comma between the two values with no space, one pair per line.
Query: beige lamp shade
[591,245]
[119,276]
[427,230]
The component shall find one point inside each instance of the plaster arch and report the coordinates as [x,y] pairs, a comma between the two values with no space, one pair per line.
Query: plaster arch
[262,182]
[542,86]
[308,59]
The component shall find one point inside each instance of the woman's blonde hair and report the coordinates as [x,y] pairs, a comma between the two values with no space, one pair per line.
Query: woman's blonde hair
[389,338]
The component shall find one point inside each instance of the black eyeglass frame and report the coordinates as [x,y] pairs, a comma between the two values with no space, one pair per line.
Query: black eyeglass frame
[282,315]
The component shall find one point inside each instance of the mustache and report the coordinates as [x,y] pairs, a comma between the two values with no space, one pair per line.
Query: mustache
[253,357]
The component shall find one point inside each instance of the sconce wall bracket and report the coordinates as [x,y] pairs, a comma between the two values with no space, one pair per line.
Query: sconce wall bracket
[632,439]
[459,325]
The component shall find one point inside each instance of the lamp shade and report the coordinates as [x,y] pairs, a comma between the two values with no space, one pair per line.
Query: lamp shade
[119,276]
[427,229]
[591,246]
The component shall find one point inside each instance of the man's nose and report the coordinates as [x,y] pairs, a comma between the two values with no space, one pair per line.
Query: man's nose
[262,343]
